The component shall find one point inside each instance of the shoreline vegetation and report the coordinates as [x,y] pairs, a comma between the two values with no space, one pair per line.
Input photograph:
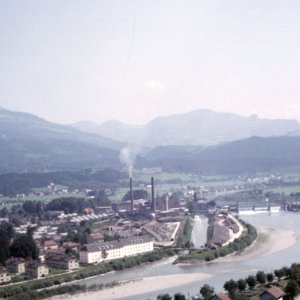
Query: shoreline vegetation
[57,285]
[235,245]
[268,242]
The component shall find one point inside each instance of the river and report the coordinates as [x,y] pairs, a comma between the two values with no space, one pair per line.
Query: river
[221,271]
[199,233]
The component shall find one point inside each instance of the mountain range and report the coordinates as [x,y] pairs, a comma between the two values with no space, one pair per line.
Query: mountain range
[201,141]
[200,127]
[251,155]
[29,143]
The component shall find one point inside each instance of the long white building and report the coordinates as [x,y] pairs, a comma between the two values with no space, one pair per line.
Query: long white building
[98,252]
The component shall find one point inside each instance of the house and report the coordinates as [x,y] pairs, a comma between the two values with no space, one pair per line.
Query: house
[4,276]
[220,296]
[98,252]
[95,237]
[273,293]
[36,269]
[50,244]
[15,265]
[61,261]
[71,246]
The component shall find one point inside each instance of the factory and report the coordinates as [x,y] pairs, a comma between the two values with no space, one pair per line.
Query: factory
[137,203]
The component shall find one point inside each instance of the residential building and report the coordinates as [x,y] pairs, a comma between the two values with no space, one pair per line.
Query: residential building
[61,261]
[272,293]
[15,265]
[220,296]
[36,269]
[50,244]
[4,276]
[98,252]
[95,237]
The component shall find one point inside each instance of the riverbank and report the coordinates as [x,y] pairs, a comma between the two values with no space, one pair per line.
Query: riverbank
[140,286]
[236,235]
[269,241]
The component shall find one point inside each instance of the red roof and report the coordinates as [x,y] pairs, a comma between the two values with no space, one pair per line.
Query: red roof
[276,292]
[50,243]
[223,296]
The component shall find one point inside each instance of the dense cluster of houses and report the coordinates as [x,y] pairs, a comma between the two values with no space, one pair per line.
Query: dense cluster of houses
[37,268]
[54,257]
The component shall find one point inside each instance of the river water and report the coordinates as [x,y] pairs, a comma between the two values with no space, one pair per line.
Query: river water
[199,233]
[221,271]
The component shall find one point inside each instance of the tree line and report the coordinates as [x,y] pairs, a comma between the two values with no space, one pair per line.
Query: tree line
[21,183]
[17,245]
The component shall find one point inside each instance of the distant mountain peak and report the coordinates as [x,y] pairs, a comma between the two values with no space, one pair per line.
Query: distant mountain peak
[197,127]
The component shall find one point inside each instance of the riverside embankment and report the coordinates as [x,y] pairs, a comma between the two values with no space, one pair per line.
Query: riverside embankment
[277,245]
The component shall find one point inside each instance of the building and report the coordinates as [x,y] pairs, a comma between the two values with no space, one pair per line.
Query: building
[36,269]
[71,246]
[273,293]
[98,252]
[50,244]
[95,238]
[220,296]
[61,261]
[4,276]
[15,265]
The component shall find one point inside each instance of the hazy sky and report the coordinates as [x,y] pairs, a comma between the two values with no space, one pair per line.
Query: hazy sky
[68,60]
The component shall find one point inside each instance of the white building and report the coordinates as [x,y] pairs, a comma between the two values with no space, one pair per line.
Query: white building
[98,252]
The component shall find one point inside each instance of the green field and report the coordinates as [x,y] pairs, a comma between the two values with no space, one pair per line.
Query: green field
[285,189]
[10,201]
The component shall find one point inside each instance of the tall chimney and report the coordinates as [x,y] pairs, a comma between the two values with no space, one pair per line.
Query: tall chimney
[152,195]
[131,195]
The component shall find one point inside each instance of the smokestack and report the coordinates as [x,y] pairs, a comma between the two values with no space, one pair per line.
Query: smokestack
[167,202]
[152,195]
[131,195]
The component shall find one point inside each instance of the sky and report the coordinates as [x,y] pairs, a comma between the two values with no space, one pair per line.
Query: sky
[70,60]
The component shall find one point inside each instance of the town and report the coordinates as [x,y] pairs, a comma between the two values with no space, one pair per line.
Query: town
[78,230]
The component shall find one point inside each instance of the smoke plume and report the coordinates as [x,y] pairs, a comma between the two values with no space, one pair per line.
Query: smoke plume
[127,157]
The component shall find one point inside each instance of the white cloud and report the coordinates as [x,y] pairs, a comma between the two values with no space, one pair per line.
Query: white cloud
[154,85]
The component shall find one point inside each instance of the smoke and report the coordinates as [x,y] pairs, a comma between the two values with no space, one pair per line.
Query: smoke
[127,157]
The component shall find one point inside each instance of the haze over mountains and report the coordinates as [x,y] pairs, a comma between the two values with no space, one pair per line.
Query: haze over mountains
[201,141]
[29,143]
[199,127]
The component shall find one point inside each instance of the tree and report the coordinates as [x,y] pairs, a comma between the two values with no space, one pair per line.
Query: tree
[279,273]
[292,288]
[29,206]
[7,232]
[241,284]
[261,277]
[4,248]
[212,203]
[270,277]
[24,246]
[230,286]
[8,229]
[164,297]
[251,281]
[4,212]
[191,207]
[179,296]
[207,291]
